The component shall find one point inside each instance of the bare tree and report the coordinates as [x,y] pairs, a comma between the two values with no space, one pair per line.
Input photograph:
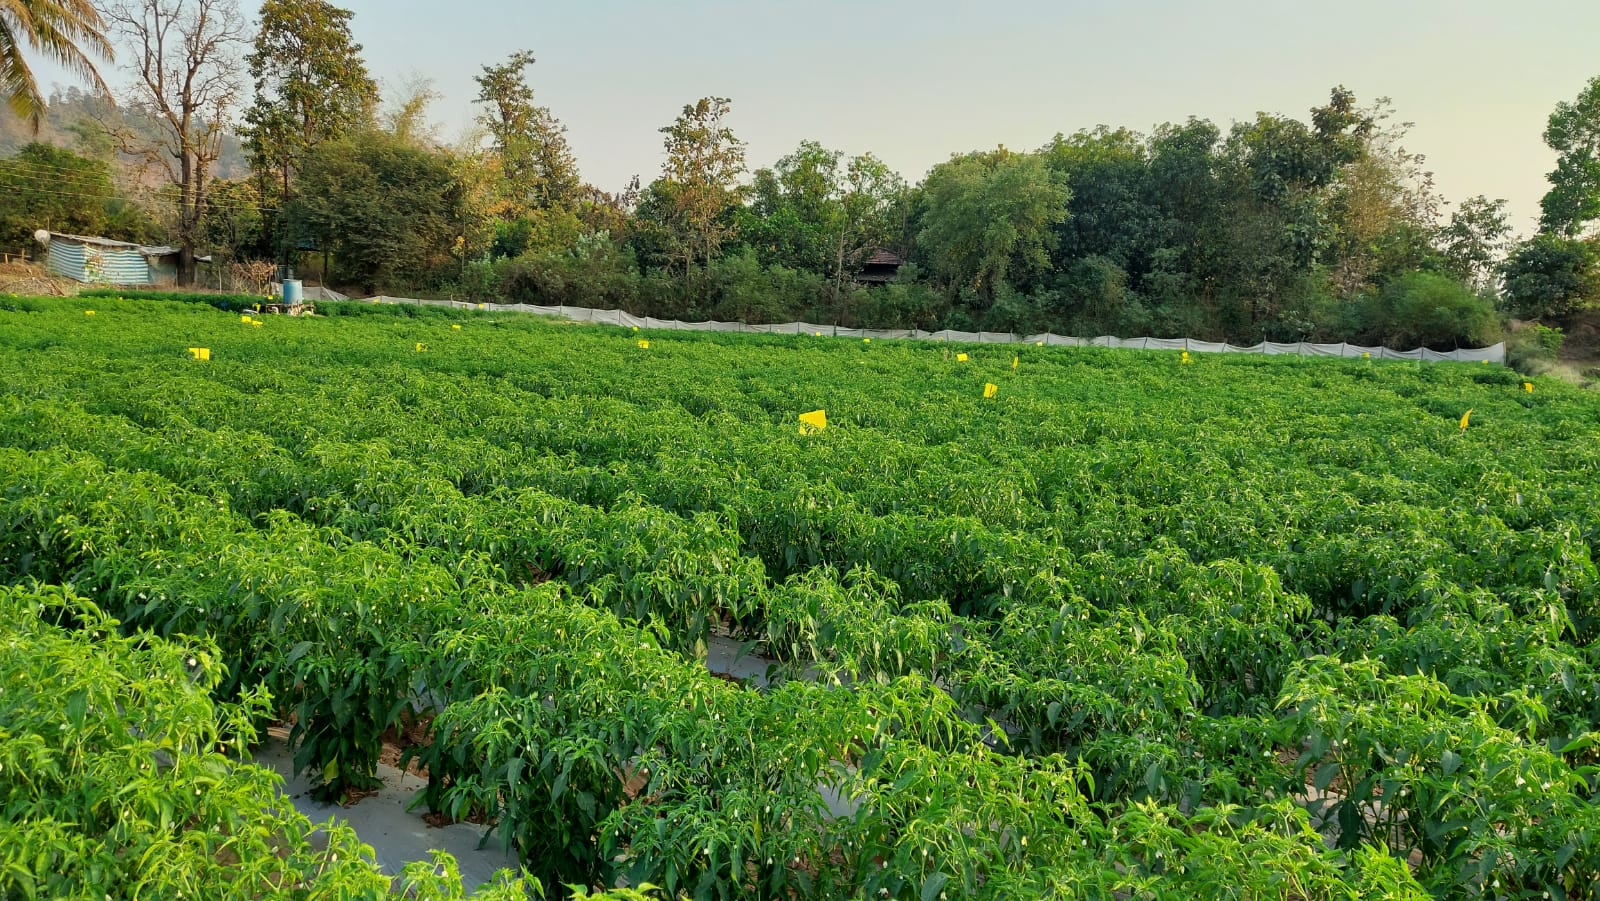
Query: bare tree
[186,55]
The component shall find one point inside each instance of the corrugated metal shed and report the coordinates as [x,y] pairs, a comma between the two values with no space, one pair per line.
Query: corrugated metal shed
[96,262]
[103,261]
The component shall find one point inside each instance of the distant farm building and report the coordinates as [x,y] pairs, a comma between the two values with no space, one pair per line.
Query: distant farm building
[102,261]
[880,268]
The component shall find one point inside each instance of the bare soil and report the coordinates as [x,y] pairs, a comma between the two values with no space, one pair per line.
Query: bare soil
[30,280]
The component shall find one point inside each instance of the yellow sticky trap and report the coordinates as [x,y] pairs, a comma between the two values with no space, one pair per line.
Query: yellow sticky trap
[644,345]
[1015,361]
[990,389]
[1038,344]
[421,347]
[1365,355]
[866,340]
[813,422]
[200,353]
[961,358]
[636,328]
[1485,362]
[1465,418]
[480,306]
[816,334]
[88,312]
[1528,387]
[455,328]
[1186,361]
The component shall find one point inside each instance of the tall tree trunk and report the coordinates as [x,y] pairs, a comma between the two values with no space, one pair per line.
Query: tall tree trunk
[838,272]
[187,221]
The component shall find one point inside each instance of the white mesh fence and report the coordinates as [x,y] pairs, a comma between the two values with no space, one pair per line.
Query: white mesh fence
[1494,354]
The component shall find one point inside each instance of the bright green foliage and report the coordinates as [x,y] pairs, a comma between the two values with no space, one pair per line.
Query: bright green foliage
[1257,627]
[1549,276]
[111,780]
[1426,308]
[988,218]
[1573,201]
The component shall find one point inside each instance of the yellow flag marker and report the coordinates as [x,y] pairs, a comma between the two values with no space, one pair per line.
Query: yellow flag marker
[1528,387]
[644,344]
[421,347]
[990,389]
[961,358]
[813,422]
[455,328]
[88,312]
[1465,418]
[1015,361]
[201,353]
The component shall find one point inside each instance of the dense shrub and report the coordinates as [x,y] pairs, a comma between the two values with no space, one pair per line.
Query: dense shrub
[232,303]
[1428,309]
[1551,276]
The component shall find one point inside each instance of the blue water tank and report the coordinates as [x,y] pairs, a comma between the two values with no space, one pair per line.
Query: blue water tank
[291,290]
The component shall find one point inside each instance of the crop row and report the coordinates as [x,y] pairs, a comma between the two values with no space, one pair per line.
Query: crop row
[1161,641]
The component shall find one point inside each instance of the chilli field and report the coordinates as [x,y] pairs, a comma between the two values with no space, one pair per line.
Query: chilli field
[1133,627]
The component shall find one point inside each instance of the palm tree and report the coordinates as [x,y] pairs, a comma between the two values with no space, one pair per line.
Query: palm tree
[60,30]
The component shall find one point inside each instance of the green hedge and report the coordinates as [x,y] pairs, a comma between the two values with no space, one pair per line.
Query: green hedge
[232,303]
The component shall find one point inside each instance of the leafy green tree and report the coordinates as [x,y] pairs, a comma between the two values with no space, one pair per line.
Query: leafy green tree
[61,31]
[1111,215]
[1475,240]
[1550,276]
[385,211]
[817,212]
[988,218]
[537,164]
[50,188]
[311,84]
[1381,214]
[793,209]
[693,200]
[233,225]
[873,196]
[1573,200]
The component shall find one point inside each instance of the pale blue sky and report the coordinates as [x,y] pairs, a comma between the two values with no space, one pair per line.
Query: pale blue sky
[916,81]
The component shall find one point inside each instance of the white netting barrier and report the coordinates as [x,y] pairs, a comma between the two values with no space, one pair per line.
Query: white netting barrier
[1494,354]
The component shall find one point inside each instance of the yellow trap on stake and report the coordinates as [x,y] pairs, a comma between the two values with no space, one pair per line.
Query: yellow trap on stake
[813,422]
